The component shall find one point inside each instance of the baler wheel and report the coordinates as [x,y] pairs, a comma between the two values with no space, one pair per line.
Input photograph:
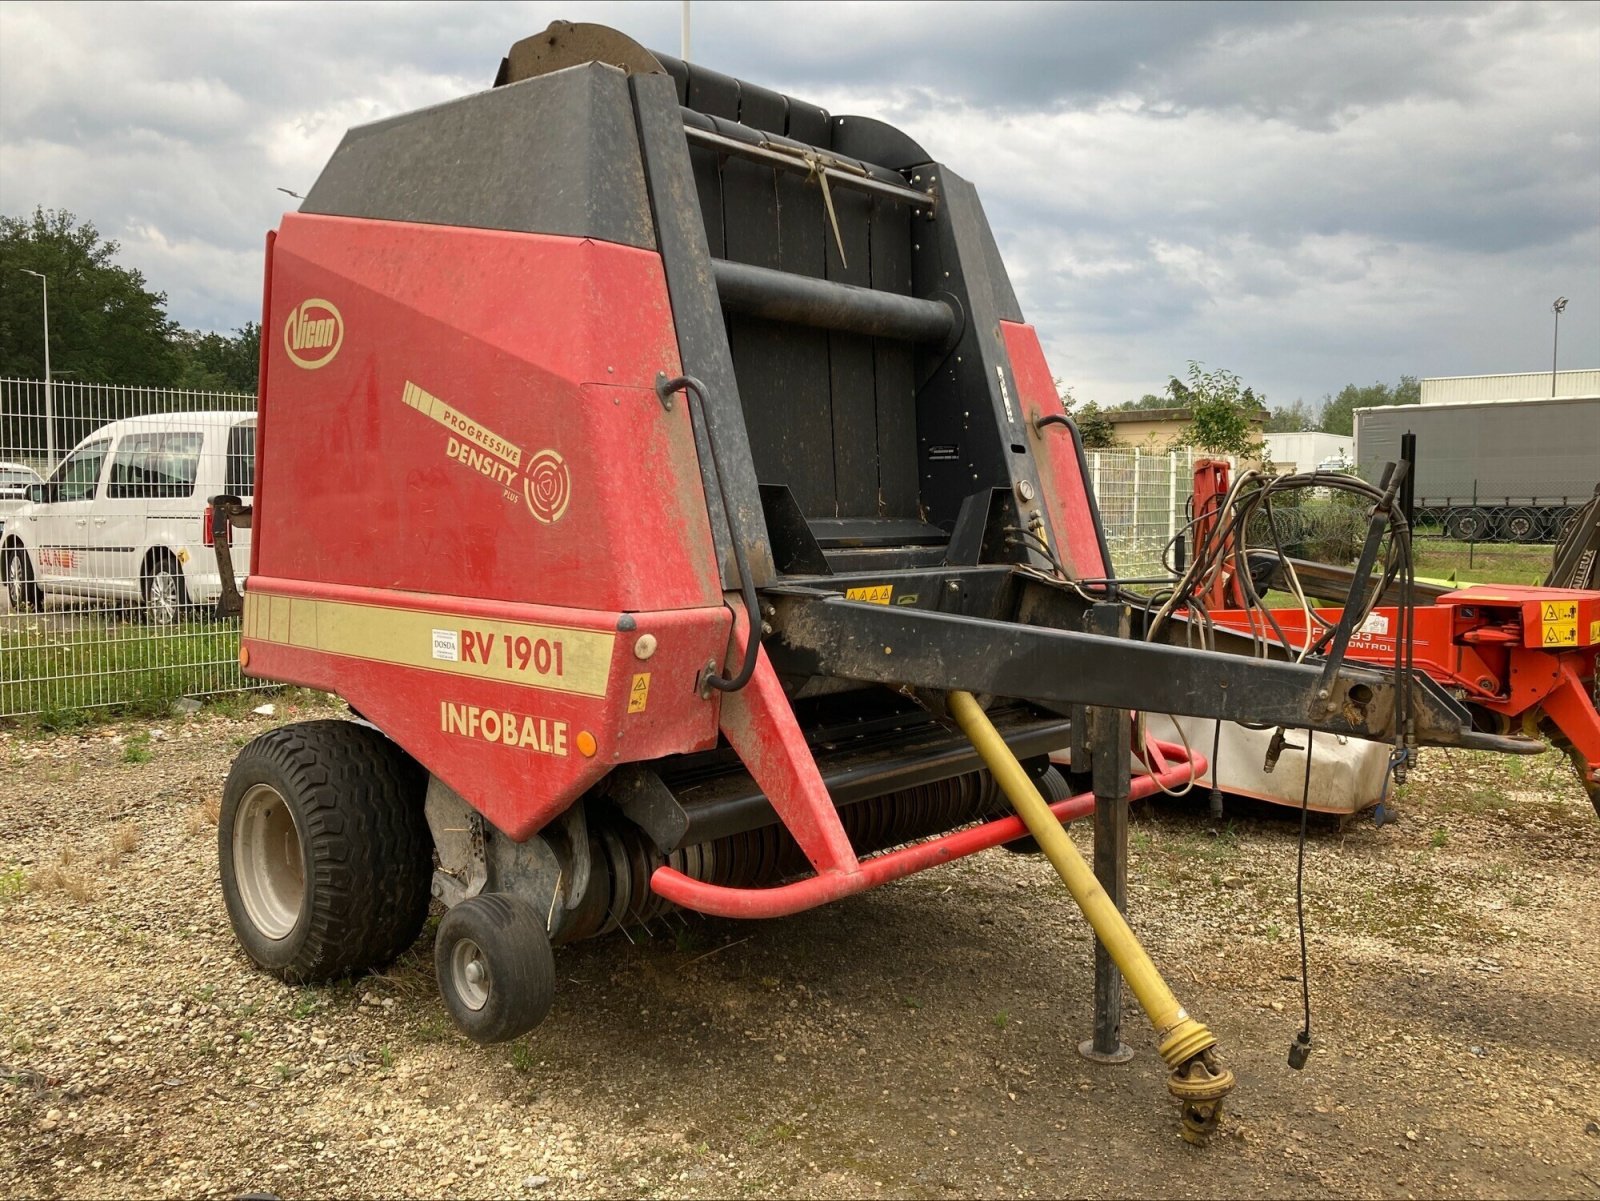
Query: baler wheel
[496,973]
[1053,787]
[325,854]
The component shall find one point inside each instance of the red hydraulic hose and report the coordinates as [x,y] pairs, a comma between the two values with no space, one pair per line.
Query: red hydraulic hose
[781,901]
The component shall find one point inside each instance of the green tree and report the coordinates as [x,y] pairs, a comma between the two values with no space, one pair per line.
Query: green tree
[1094,429]
[219,362]
[1338,412]
[106,325]
[1291,419]
[1148,401]
[1223,414]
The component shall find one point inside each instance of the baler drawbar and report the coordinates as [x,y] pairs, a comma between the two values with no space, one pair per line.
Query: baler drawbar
[663,471]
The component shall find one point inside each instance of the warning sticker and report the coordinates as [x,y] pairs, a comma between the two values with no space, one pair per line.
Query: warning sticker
[874,594]
[1376,623]
[639,693]
[1560,633]
[1594,632]
[1558,622]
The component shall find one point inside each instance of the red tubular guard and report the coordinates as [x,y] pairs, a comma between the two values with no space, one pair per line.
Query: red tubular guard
[721,901]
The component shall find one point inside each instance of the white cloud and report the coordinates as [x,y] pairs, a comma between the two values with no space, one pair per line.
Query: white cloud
[1305,194]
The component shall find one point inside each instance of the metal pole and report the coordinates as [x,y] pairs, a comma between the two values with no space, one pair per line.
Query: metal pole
[685,33]
[49,387]
[1111,764]
[1555,341]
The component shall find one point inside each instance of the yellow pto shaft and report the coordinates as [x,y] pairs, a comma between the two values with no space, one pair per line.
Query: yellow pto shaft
[1198,1082]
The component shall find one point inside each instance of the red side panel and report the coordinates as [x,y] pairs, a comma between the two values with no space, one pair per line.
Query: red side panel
[471,412]
[474,518]
[1066,492]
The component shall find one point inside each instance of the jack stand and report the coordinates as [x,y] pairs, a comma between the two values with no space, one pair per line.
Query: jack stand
[1110,734]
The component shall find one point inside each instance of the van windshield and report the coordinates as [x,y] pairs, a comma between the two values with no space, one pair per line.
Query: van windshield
[241,479]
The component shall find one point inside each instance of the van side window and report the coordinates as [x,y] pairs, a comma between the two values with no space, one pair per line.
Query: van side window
[241,479]
[162,464]
[77,477]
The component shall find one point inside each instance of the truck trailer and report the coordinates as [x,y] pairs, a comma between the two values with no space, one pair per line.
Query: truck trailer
[1491,470]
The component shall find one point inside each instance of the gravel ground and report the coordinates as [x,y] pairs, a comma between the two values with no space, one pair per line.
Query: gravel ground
[916,1041]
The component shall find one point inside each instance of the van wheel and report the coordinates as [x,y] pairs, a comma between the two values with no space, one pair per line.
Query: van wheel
[21,590]
[165,596]
[325,855]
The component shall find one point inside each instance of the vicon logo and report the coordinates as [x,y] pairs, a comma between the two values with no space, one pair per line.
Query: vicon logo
[313,334]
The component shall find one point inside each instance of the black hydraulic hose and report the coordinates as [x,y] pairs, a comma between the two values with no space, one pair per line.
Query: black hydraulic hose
[696,392]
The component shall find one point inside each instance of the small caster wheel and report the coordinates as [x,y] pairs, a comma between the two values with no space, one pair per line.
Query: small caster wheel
[496,973]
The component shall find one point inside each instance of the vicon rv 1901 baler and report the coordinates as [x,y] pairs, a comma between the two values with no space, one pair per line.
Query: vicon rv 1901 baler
[663,471]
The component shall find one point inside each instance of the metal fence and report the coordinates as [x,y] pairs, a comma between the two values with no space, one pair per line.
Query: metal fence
[109,587]
[109,596]
[1144,501]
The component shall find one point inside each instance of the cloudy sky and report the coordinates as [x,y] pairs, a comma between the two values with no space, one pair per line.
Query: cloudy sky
[1306,194]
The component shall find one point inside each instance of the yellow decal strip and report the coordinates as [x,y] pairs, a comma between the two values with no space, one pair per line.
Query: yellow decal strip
[557,658]
[460,424]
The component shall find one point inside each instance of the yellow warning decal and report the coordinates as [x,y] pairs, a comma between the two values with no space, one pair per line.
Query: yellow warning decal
[639,693]
[1560,633]
[558,658]
[1594,632]
[1558,622]
[873,594]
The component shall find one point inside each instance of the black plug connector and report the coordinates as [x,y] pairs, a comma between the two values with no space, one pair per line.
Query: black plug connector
[1300,1050]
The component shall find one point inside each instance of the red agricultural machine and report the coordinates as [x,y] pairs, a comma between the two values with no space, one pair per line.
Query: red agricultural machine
[663,471]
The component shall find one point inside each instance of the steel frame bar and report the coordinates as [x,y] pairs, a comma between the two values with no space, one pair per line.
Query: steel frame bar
[826,634]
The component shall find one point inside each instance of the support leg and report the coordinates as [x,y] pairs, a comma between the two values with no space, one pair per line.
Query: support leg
[1110,738]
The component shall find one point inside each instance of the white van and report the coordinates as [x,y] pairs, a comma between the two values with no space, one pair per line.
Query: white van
[125,517]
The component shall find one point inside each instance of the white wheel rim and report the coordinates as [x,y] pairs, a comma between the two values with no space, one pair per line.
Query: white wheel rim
[469,972]
[14,577]
[268,862]
[163,597]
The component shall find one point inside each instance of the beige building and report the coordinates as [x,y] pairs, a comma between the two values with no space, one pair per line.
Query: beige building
[1156,431]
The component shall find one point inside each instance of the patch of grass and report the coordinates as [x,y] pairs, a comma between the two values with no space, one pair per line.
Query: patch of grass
[386,1057]
[1438,838]
[122,668]
[206,993]
[204,816]
[124,841]
[307,1003]
[911,1002]
[12,884]
[434,1030]
[522,1059]
[61,876]
[1480,563]
[1000,1019]
[137,748]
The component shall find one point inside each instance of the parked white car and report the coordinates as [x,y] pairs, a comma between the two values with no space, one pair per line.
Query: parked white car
[125,517]
[14,481]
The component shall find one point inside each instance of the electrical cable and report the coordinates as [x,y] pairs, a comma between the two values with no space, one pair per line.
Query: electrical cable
[1300,1049]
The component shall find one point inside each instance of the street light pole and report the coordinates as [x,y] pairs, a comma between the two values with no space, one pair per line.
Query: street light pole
[1558,308]
[49,386]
